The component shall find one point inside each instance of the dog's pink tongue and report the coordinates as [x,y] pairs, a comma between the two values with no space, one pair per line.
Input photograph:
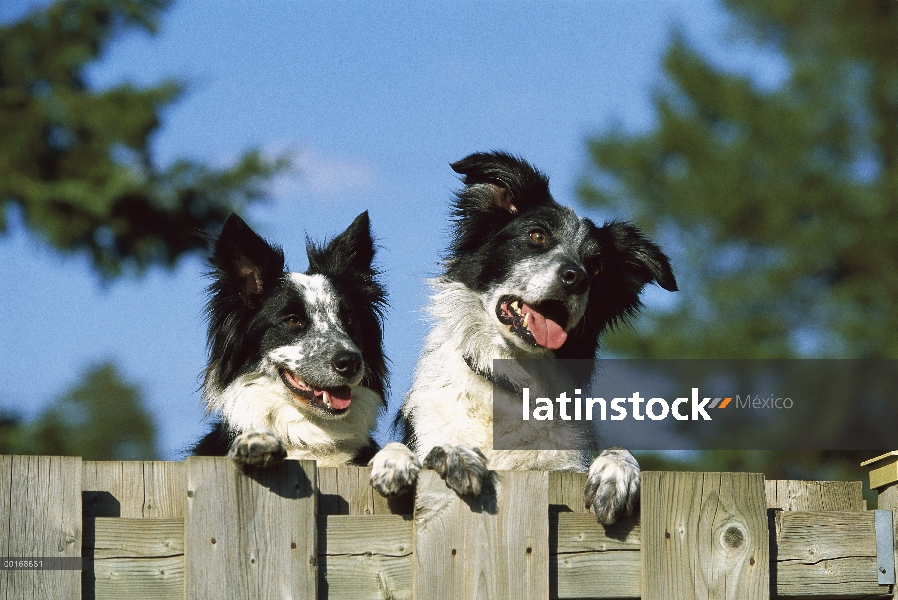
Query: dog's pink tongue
[339,398]
[546,332]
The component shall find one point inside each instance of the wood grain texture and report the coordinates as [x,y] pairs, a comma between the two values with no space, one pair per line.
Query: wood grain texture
[41,508]
[704,536]
[492,547]
[524,534]
[588,560]
[788,494]
[825,554]
[136,538]
[250,533]
[365,557]
[157,578]
[566,492]
[135,558]
[131,490]
[348,491]
[134,488]
[6,489]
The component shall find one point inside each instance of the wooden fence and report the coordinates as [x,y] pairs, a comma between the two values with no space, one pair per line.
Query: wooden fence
[204,528]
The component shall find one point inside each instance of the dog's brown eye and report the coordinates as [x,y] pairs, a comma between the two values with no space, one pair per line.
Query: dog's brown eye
[538,236]
[293,321]
[596,270]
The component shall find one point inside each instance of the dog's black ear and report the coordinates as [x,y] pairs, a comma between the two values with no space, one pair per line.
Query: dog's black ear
[499,180]
[626,262]
[640,260]
[352,250]
[244,263]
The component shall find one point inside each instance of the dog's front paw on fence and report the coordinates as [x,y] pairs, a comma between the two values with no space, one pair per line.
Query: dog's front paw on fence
[260,448]
[463,468]
[394,469]
[612,485]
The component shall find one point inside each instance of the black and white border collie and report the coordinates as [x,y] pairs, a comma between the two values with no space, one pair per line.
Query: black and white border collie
[296,363]
[524,278]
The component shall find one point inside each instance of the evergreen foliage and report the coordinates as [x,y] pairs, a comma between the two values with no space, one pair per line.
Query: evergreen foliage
[782,204]
[78,161]
[778,204]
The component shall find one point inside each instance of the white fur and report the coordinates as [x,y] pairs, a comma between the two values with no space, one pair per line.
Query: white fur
[394,469]
[448,402]
[257,401]
[319,293]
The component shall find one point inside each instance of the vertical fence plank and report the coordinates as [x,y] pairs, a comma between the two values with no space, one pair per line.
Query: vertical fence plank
[704,536]
[493,546]
[348,491]
[455,543]
[566,492]
[164,486]
[134,489]
[5,520]
[129,489]
[41,506]
[788,494]
[524,534]
[250,536]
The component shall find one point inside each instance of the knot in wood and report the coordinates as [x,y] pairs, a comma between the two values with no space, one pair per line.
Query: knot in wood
[734,537]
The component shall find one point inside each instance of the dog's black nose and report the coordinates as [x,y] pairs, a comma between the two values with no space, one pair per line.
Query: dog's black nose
[574,278]
[347,363]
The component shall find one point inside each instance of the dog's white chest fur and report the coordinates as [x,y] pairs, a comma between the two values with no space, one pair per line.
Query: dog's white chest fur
[259,402]
[451,404]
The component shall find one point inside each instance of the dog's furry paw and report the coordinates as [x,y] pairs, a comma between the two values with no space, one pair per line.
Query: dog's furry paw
[394,469]
[612,485]
[463,468]
[259,448]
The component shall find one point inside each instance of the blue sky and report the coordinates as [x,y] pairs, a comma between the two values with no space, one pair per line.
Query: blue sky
[373,102]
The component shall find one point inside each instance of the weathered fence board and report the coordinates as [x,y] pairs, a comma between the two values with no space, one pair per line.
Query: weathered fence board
[524,534]
[459,543]
[41,504]
[704,536]
[134,488]
[591,561]
[348,491]
[250,535]
[157,578]
[365,557]
[566,492]
[815,495]
[135,558]
[300,532]
[825,554]
[135,538]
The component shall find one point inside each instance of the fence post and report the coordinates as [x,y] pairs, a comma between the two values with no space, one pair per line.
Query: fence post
[704,535]
[884,479]
[250,533]
[493,546]
[40,516]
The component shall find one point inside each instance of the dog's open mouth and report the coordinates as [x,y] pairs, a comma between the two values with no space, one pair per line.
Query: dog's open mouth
[334,401]
[540,325]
